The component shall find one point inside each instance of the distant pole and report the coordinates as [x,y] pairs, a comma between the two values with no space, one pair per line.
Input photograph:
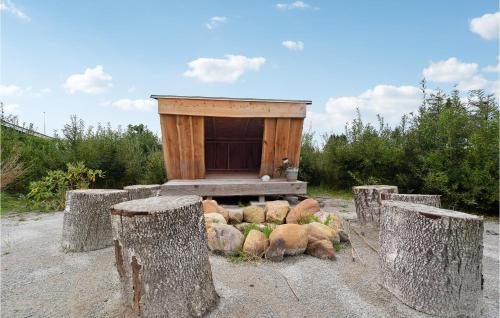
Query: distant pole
[44,123]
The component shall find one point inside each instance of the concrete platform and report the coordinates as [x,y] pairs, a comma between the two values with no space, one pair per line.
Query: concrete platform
[233,187]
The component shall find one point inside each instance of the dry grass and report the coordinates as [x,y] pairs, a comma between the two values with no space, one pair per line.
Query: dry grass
[10,169]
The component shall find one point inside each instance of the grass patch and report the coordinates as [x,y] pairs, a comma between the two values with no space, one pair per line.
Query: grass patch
[241,256]
[338,246]
[308,219]
[267,230]
[13,203]
[326,191]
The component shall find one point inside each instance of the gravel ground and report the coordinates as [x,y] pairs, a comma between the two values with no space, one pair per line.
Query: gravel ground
[38,280]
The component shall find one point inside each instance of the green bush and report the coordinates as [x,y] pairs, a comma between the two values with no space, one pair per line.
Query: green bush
[49,192]
[449,147]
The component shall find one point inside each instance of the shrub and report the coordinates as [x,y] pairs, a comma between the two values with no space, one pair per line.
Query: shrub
[49,192]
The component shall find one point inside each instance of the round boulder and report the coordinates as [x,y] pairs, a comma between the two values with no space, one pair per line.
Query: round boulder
[254,214]
[303,209]
[214,218]
[276,211]
[287,239]
[223,238]
[256,243]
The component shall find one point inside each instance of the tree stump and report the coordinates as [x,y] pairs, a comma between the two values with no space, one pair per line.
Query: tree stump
[162,256]
[425,199]
[142,191]
[368,201]
[87,222]
[431,258]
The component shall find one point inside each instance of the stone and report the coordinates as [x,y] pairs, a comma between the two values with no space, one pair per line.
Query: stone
[211,206]
[214,218]
[318,231]
[254,214]
[87,222]
[235,215]
[431,258]
[334,221]
[256,243]
[368,201]
[303,209]
[161,257]
[224,238]
[276,211]
[321,249]
[287,239]
[142,191]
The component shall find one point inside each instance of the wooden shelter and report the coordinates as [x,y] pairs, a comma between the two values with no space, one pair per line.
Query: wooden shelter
[229,138]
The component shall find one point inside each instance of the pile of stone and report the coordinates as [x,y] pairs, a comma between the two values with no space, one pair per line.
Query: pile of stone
[285,236]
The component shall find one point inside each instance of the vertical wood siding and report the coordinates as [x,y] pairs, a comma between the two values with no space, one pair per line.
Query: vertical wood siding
[282,138]
[183,146]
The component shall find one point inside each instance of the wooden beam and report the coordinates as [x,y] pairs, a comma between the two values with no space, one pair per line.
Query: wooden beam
[198,127]
[295,141]
[219,187]
[267,157]
[281,142]
[225,108]
[170,145]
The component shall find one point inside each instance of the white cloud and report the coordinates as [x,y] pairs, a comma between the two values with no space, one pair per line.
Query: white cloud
[226,70]
[293,45]
[10,109]
[215,22]
[43,91]
[92,81]
[10,90]
[129,104]
[479,82]
[451,70]
[9,6]
[292,5]
[391,102]
[487,26]
[493,68]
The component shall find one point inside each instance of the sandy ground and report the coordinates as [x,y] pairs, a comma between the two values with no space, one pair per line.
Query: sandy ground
[38,280]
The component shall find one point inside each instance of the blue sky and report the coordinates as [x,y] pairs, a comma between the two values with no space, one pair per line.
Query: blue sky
[101,60]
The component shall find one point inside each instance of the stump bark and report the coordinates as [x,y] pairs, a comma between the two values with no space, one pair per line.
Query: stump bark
[431,258]
[162,256]
[142,191]
[368,201]
[87,223]
[425,199]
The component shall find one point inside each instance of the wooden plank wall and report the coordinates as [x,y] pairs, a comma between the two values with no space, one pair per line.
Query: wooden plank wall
[282,138]
[184,145]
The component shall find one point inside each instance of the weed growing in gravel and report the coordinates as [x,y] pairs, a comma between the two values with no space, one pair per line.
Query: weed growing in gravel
[338,246]
[308,219]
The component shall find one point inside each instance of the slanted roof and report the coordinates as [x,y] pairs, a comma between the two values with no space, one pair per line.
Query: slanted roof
[230,107]
[265,100]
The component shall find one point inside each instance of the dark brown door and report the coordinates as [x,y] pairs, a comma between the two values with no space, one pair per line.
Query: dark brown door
[233,144]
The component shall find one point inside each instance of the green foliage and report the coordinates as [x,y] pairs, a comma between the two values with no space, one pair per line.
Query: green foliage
[338,246]
[267,230]
[238,257]
[49,192]
[306,219]
[328,220]
[133,156]
[449,147]
[11,202]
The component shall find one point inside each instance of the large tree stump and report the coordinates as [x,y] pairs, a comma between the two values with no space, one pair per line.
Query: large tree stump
[425,199]
[142,191]
[87,223]
[431,258]
[368,201]
[162,256]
